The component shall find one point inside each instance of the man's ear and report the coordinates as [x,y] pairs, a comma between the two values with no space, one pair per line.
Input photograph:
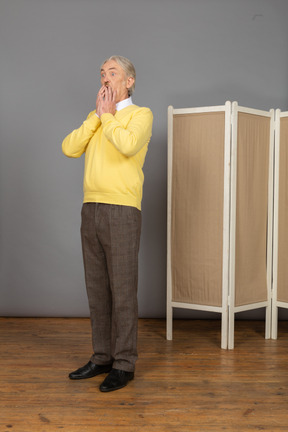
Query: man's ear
[130,82]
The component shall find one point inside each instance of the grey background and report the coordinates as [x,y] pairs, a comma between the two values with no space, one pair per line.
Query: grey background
[187,53]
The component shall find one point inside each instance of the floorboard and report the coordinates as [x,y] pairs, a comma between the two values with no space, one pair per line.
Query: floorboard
[187,385]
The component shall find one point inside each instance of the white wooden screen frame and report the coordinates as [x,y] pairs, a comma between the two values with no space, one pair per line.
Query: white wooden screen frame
[223,309]
[231,301]
[275,303]
[228,308]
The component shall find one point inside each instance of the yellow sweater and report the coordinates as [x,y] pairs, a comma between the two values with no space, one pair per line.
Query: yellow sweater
[115,148]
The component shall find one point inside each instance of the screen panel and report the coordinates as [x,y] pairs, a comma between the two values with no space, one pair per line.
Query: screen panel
[251,208]
[197,208]
[282,288]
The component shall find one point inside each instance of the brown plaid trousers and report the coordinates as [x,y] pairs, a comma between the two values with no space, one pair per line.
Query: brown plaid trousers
[110,237]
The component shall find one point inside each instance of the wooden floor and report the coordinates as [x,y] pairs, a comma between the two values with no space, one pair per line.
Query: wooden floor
[185,385]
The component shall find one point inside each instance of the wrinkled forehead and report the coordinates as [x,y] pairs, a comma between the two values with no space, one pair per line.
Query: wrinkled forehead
[110,65]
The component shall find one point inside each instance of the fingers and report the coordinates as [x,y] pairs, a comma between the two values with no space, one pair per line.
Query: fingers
[106,101]
[99,100]
[108,94]
[101,92]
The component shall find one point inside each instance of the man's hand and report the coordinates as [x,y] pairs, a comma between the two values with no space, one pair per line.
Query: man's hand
[106,101]
[99,99]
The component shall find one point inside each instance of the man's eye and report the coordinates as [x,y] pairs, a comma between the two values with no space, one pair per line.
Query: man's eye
[113,74]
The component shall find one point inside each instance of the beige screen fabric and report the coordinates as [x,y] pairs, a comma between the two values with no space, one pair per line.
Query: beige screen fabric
[251,208]
[197,208]
[282,289]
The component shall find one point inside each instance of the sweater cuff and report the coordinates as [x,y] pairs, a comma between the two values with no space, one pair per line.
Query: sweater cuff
[107,117]
[92,123]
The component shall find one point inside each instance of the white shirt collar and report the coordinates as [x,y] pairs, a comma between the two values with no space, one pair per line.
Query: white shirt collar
[124,104]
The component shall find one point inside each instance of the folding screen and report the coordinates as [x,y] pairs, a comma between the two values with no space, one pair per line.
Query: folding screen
[219,223]
[280,229]
[251,213]
[198,211]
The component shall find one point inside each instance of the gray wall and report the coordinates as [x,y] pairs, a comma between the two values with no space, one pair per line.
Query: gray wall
[187,53]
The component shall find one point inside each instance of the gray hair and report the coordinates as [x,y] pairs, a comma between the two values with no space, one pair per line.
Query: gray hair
[128,68]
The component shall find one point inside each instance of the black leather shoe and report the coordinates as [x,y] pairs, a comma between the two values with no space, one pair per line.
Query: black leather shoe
[89,370]
[116,380]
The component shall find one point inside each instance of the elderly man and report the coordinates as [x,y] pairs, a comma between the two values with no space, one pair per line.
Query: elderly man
[114,138]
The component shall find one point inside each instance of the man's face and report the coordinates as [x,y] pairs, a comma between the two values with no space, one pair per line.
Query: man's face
[112,75]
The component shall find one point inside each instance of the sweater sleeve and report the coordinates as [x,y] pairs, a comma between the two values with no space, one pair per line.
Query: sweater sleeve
[131,139]
[74,145]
